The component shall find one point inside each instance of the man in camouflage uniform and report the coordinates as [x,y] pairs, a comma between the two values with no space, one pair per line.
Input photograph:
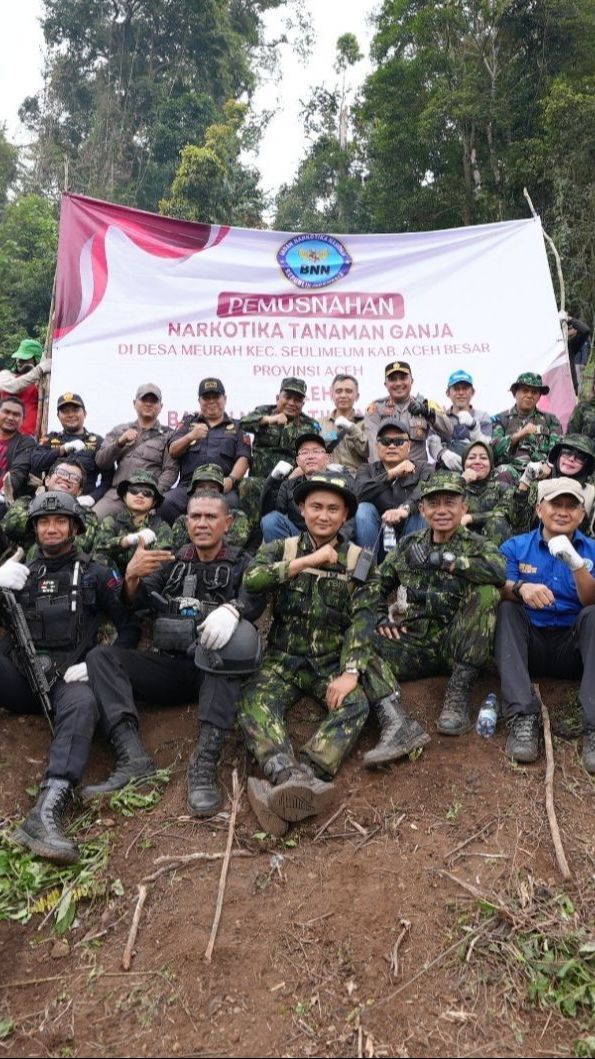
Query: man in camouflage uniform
[73,438]
[209,478]
[447,580]
[118,535]
[67,476]
[420,416]
[523,434]
[582,420]
[319,645]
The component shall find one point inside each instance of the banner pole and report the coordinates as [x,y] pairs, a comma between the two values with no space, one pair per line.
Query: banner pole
[44,385]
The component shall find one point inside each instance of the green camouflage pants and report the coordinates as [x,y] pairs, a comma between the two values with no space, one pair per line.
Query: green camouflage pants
[435,647]
[282,680]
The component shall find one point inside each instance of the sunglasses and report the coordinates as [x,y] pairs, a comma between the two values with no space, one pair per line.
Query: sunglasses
[573,454]
[141,490]
[66,476]
[392,441]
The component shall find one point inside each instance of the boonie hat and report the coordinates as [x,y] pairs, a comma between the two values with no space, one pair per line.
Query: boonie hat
[332,481]
[530,378]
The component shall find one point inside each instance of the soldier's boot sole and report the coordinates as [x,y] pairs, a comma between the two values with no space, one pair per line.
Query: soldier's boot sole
[59,852]
[412,737]
[300,797]
[132,772]
[259,792]
[454,722]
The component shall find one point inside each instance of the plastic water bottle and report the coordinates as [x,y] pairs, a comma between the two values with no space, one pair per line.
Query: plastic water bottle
[487,716]
[389,538]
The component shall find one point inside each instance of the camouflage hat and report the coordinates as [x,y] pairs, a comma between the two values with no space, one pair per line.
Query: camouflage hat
[532,379]
[141,478]
[331,481]
[310,435]
[29,349]
[444,482]
[207,472]
[579,442]
[294,385]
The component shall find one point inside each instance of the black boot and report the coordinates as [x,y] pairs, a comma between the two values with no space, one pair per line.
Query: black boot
[42,830]
[204,796]
[296,793]
[132,761]
[454,718]
[399,733]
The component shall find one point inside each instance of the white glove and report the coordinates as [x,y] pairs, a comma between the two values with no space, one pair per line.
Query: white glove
[534,472]
[563,316]
[85,501]
[145,535]
[452,460]
[74,446]
[13,575]
[45,365]
[345,424]
[77,674]
[466,419]
[219,627]
[281,470]
[561,548]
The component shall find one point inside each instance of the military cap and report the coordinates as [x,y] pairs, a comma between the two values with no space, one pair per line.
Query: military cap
[550,488]
[141,478]
[329,480]
[29,349]
[210,387]
[55,502]
[294,385]
[310,435]
[207,472]
[579,442]
[394,424]
[459,376]
[146,388]
[70,398]
[529,378]
[444,482]
[397,365]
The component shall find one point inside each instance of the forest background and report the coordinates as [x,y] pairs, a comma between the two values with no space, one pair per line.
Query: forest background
[150,103]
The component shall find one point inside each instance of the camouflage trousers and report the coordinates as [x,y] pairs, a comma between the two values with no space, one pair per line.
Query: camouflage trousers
[281,682]
[435,647]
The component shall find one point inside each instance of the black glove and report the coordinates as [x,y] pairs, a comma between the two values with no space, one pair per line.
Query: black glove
[419,407]
[419,553]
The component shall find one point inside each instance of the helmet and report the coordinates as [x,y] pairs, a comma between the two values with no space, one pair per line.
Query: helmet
[56,503]
[241,655]
[141,478]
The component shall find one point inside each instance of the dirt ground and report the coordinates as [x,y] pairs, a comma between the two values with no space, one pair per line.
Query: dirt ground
[348,940]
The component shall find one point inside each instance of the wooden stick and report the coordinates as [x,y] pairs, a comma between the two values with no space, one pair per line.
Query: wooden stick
[189,858]
[471,838]
[127,956]
[328,823]
[549,788]
[394,956]
[235,801]
[551,243]
[479,896]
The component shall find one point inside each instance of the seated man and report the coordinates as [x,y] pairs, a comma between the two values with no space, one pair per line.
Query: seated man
[343,430]
[446,579]
[276,427]
[388,490]
[118,535]
[287,520]
[469,423]
[63,595]
[15,452]
[74,437]
[546,622]
[207,436]
[318,645]
[66,476]
[206,572]
[210,479]
[524,433]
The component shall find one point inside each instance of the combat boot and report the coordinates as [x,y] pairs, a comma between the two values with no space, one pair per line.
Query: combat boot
[589,750]
[399,733]
[132,762]
[259,792]
[454,717]
[297,793]
[204,795]
[523,737]
[42,830]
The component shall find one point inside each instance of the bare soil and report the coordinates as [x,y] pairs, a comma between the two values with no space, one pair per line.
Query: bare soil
[302,962]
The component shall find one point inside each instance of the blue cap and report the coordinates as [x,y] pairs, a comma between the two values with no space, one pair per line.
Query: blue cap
[459,376]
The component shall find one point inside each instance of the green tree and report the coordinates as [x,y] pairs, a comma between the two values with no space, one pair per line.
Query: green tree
[28,243]
[8,166]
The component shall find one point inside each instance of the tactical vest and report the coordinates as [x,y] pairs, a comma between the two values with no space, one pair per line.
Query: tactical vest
[290,550]
[60,606]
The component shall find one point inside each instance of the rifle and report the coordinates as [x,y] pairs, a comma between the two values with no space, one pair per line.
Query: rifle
[31,663]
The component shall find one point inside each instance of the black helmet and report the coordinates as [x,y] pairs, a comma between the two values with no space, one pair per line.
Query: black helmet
[141,478]
[240,656]
[56,503]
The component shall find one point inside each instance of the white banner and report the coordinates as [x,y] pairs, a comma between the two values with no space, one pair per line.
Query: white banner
[142,298]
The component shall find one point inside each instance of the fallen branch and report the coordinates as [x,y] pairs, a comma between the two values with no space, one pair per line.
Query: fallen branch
[184,859]
[495,902]
[394,956]
[549,788]
[127,956]
[471,838]
[424,970]
[236,796]
[328,823]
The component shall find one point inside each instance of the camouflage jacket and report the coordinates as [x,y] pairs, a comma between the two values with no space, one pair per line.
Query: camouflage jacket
[108,549]
[490,501]
[434,596]
[533,447]
[14,525]
[237,536]
[272,442]
[582,420]
[324,617]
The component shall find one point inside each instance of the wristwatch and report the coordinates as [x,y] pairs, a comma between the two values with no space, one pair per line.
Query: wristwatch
[516,589]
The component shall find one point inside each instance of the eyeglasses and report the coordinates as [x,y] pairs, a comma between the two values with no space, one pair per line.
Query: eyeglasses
[392,441]
[141,490]
[572,454]
[66,476]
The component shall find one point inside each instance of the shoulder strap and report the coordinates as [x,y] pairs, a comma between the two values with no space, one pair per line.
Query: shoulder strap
[290,548]
[353,554]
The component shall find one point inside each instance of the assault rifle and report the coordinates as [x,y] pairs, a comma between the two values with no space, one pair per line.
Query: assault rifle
[30,662]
